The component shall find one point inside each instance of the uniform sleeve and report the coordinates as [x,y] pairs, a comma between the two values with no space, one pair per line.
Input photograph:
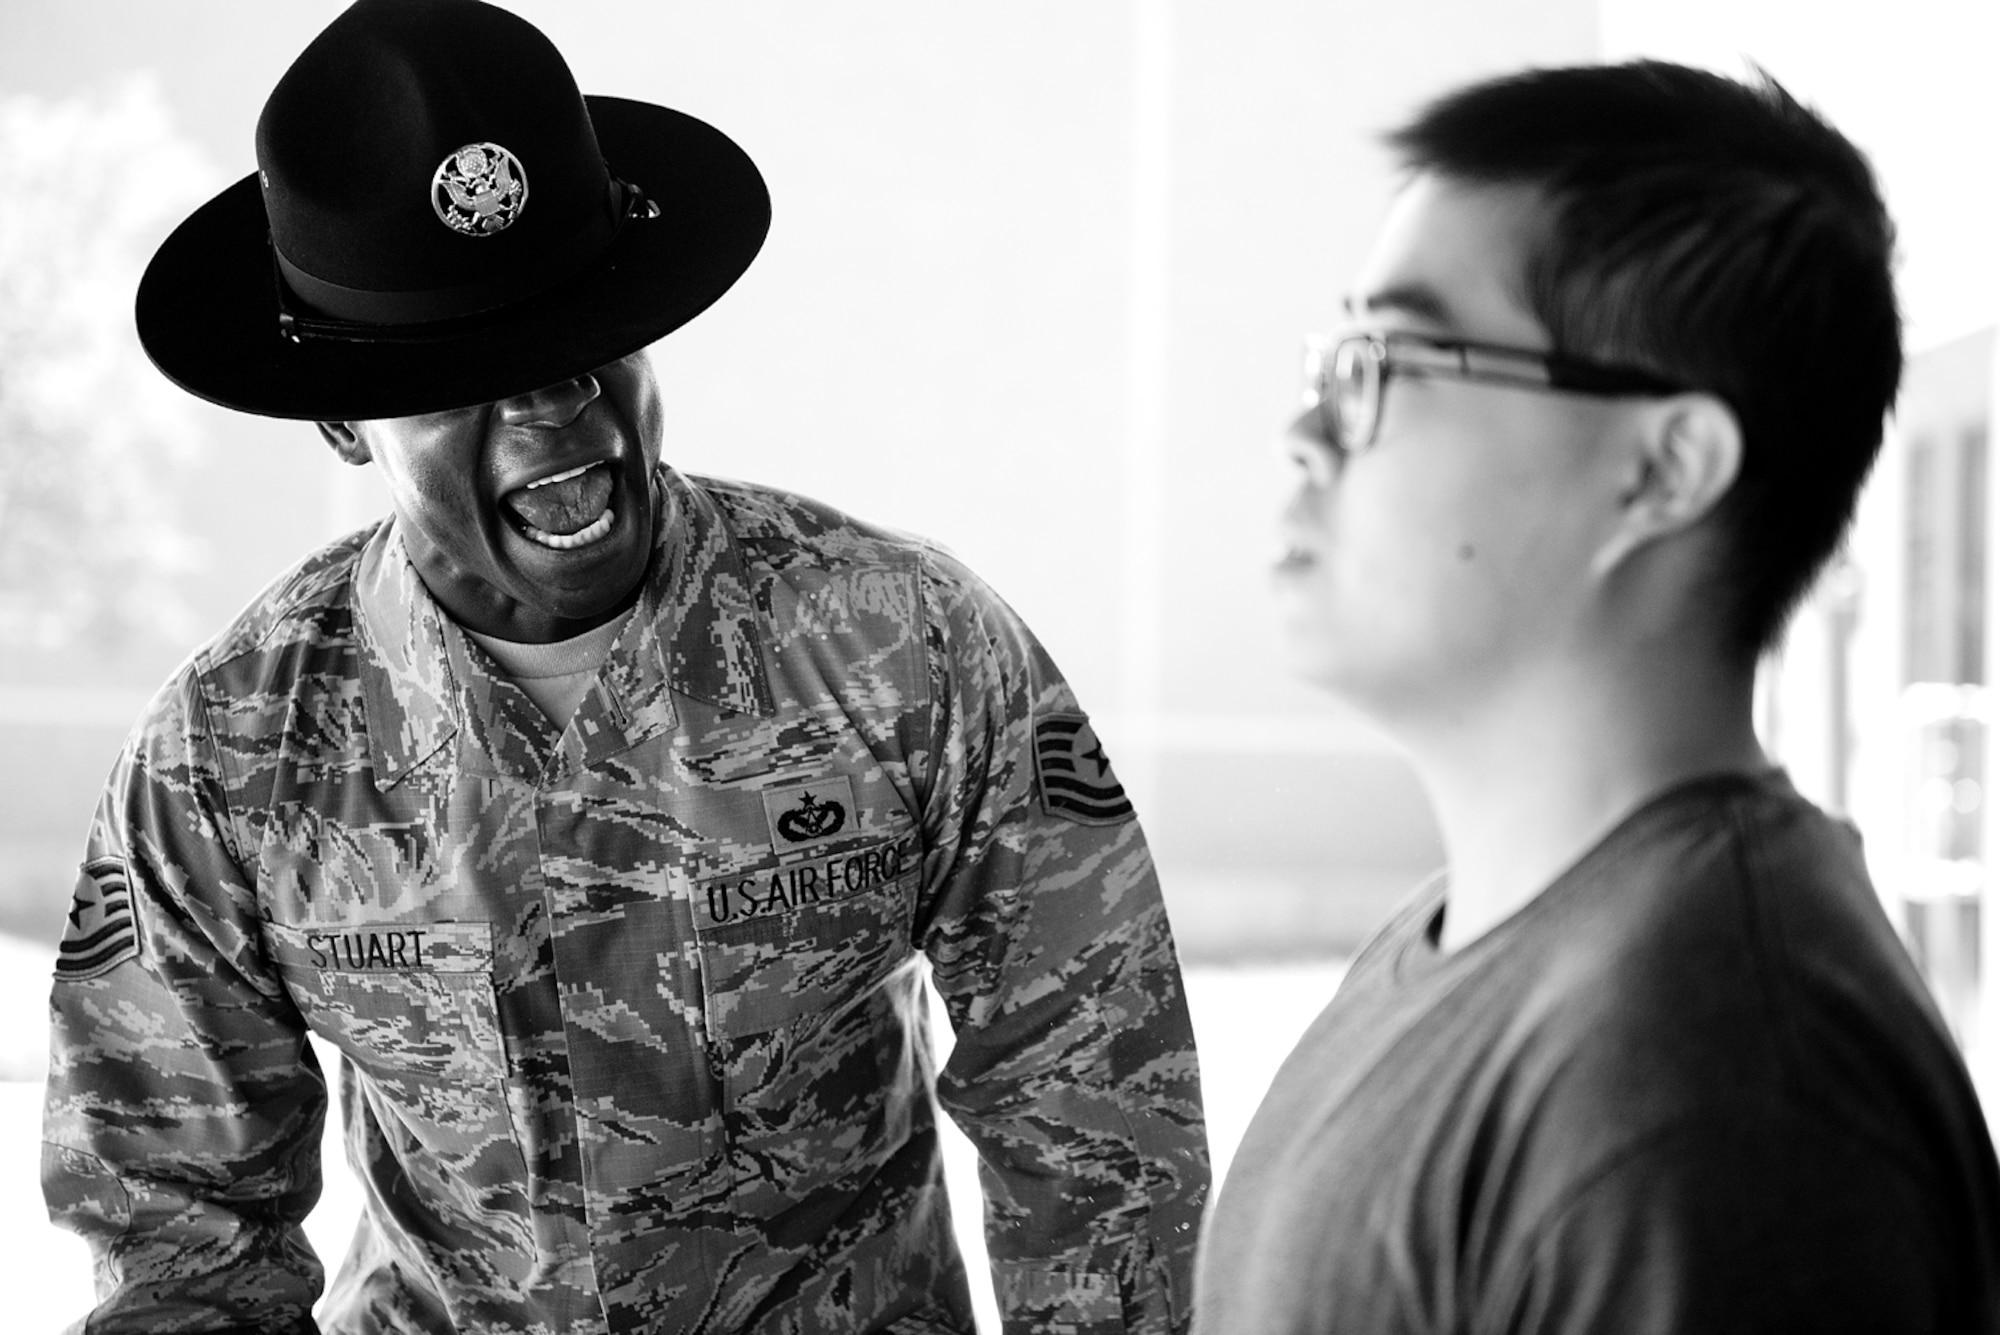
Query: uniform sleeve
[1751,1223]
[1074,1069]
[182,1126]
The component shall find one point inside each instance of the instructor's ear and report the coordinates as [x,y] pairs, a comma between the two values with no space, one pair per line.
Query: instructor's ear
[1689,450]
[346,442]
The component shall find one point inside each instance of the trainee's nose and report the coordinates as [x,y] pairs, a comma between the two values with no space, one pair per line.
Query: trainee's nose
[1305,445]
[552,405]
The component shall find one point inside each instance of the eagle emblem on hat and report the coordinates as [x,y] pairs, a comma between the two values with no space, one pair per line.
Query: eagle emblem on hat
[480,189]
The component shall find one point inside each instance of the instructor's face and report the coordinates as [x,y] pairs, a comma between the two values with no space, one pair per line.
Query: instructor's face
[531,518]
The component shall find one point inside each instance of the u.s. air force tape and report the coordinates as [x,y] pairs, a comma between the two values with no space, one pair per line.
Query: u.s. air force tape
[1074,775]
[795,885]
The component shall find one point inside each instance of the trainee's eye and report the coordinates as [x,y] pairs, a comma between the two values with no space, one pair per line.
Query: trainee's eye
[1353,388]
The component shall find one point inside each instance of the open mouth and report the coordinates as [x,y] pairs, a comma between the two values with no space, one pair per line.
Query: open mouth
[564,510]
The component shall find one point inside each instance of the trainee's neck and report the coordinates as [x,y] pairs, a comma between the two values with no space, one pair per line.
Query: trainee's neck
[1524,786]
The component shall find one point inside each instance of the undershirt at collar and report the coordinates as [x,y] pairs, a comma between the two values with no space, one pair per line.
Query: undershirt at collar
[556,676]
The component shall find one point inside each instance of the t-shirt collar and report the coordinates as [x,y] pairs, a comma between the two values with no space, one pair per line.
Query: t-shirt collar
[696,635]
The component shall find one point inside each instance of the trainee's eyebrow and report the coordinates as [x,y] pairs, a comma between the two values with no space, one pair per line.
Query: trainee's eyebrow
[1419,301]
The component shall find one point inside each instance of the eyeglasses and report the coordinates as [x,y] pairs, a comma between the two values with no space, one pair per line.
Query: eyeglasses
[1345,376]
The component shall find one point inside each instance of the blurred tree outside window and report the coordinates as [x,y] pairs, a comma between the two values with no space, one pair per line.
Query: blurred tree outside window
[91,558]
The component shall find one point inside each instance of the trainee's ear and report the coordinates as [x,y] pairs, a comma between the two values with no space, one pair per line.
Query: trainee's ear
[346,442]
[1689,452]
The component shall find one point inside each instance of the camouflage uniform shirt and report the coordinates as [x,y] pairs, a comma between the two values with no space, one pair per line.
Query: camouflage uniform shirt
[630,1012]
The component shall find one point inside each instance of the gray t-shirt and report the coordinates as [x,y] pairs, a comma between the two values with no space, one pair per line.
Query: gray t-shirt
[1696,1085]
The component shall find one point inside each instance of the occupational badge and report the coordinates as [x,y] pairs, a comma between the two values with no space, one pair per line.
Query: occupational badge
[1074,774]
[809,814]
[479,190]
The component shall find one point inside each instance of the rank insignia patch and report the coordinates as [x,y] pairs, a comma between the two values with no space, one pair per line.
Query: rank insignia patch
[102,932]
[1074,774]
[807,814]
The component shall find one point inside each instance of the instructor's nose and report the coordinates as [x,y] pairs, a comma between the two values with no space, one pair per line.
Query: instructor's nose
[552,405]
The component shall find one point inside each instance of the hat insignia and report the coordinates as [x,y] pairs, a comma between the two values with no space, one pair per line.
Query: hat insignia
[480,189]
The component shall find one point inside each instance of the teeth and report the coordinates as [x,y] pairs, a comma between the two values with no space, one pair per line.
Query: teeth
[578,471]
[584,536]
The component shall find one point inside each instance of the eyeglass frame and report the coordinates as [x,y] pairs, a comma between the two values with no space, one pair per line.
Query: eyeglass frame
[1497,364]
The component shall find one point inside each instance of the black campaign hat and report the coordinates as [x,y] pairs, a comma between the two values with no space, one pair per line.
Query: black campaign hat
[440,218]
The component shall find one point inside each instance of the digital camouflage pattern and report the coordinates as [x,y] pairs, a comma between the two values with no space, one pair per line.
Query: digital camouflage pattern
[631,1012]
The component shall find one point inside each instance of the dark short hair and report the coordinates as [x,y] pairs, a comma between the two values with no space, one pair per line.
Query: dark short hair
[1725,236]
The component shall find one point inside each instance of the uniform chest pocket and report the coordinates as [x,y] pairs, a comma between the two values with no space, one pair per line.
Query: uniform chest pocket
[412,997]
[412,1006]
[805,940]
[814,1022]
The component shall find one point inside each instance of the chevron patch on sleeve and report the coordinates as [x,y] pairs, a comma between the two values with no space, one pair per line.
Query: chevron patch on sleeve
[1073,773]
[101,933]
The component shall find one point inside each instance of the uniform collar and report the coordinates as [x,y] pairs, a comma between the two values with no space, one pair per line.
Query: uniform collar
[694,634]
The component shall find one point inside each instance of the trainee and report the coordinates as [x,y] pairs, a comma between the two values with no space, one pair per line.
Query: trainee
[1648,1056]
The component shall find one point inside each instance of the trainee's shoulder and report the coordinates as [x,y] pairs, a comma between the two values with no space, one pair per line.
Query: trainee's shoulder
[1843,995]
[1718,877]
[1815,933]
[1738,955]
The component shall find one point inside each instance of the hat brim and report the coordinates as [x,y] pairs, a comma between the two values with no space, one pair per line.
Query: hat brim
[208,315]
